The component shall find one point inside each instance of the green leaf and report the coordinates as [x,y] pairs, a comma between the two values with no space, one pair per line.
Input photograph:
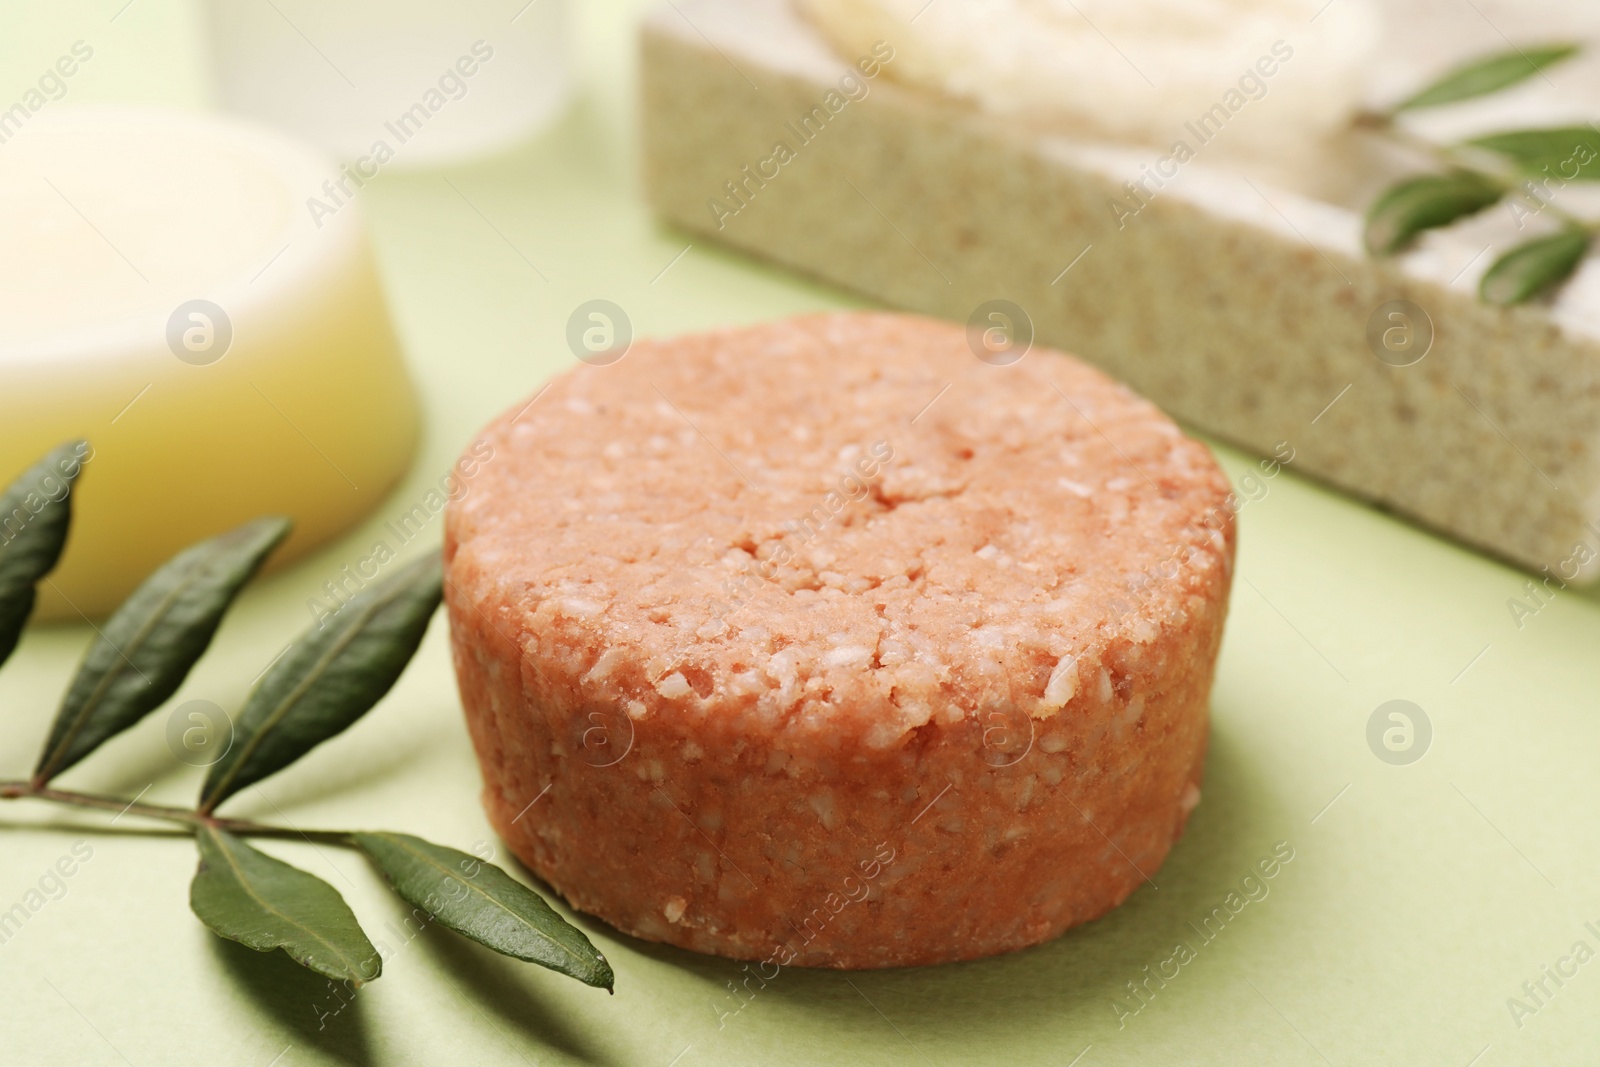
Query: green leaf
[483,902]
[148,645]
[328,678]
[1531,268]
[1417,204]
[35,512]
[1565,153]
[264,903]
[1483,76]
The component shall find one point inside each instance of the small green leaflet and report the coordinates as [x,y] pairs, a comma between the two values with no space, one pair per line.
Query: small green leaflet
[1563,153]
[482,902]
[148,645]
[329,678]
[249,897]
[320,685]
[1531,268]
[1484,76]
[35,512]
[1417,204]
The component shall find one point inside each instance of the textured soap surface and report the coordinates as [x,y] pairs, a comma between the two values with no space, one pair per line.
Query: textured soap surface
[905,636]
[169,297]
[951,562]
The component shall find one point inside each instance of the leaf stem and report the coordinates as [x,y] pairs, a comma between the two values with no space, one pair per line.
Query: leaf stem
[26,790]
[1384,124]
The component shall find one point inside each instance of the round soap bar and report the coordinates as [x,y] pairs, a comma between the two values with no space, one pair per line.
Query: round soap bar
[167,295]
[828,643]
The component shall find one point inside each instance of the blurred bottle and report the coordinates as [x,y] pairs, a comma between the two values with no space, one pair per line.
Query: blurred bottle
[402,83]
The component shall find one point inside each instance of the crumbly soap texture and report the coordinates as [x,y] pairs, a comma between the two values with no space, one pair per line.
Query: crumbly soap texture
[827,643]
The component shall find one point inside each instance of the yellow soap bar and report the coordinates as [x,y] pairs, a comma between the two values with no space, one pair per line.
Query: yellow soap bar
[167,295]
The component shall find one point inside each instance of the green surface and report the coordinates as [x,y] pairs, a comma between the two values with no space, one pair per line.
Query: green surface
[1415,905]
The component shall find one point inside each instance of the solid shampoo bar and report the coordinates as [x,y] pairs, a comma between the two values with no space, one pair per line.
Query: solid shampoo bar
[856,678]
[167,296]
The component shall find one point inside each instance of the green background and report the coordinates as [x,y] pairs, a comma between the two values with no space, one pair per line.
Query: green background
[1415,905]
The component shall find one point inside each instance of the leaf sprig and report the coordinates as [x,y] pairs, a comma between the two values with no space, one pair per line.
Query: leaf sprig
[321,685]
[1482,171]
